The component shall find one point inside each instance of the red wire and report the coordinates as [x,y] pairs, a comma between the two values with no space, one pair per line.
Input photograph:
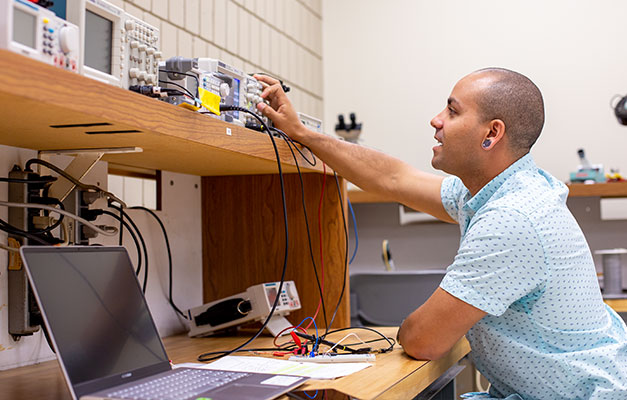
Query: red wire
[324,180]
[295,351]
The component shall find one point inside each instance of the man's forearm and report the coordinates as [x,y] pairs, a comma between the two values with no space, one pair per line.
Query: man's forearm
[369,169]
[379,173]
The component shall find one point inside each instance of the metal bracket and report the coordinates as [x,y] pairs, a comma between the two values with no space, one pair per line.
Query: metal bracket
[84,160]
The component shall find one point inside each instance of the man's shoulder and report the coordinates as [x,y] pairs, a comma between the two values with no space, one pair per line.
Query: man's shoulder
[529,191]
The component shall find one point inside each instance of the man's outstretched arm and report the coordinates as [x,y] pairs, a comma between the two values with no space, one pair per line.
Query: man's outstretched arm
[369,169]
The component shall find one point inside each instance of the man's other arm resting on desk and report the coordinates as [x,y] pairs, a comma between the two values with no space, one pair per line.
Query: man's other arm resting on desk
[432,330]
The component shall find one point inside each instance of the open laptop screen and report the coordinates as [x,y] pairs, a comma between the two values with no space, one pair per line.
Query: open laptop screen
[96,312]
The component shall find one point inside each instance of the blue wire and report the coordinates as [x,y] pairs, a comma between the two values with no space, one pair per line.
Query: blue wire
[350,207]
[311,354]
[311,397]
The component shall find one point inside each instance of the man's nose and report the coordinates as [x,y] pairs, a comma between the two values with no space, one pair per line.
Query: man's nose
[436,122]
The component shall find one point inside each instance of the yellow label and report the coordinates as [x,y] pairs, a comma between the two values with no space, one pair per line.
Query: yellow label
[15,261]
[210,101]
[189,106]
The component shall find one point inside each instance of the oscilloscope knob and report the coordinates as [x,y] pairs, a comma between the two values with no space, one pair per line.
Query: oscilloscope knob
[225,89]
[68,39]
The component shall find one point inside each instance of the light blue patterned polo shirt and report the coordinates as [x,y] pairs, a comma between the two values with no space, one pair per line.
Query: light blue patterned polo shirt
[524,260]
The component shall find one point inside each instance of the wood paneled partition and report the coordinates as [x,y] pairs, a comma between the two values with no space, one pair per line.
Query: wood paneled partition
[244,239]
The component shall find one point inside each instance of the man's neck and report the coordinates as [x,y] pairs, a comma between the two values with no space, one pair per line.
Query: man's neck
[477,179]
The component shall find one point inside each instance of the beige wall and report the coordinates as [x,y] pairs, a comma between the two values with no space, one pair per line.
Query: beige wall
[395,63]
[281,37]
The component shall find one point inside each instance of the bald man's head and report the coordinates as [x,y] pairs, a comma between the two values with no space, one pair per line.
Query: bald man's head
[515,100]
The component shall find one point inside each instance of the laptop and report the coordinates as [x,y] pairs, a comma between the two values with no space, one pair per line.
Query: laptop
[106,340]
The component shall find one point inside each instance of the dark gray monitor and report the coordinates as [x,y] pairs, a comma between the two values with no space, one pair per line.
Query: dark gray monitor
[95,311]
[98,42]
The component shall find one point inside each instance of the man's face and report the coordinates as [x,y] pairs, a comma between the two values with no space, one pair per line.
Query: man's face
[458,128]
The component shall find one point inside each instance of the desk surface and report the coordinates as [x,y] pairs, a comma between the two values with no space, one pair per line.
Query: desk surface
[394,375]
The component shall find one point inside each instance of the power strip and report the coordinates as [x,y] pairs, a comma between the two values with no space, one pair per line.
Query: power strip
[336,358]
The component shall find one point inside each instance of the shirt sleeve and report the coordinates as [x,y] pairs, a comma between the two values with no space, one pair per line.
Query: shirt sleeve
[451,191]
[500,260]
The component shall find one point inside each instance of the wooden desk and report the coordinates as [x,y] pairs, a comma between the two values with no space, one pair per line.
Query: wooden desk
[394,375]
[619,305]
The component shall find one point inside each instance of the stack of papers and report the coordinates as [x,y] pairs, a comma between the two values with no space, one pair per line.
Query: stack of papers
[281,367]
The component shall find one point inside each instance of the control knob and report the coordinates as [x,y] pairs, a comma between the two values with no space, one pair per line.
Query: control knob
[225,90]
[68,39]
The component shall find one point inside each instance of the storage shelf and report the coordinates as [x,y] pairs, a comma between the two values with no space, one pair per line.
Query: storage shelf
[37,98]
[612,189]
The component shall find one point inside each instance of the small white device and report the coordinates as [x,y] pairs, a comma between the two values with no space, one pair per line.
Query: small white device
[36,32]
[116,47]
[252,305]
[310,122]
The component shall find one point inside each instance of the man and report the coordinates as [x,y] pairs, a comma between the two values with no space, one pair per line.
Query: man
[523,287]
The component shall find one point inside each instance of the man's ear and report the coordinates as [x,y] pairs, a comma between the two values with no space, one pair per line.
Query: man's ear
[494,135]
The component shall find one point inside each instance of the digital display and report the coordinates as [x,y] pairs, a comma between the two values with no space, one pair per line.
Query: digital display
[234,97]
[24,27]
[271,293]
[98,42]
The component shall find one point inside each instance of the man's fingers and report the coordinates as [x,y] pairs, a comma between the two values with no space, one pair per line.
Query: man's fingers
[267,111]
[266,79]
[271,91]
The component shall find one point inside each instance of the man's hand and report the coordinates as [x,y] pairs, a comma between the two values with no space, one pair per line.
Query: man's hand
[281,111]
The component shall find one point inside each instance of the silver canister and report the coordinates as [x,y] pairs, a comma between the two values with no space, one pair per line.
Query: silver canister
[612,272]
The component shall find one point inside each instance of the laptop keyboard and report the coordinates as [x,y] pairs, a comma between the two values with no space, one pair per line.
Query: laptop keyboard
[178,385]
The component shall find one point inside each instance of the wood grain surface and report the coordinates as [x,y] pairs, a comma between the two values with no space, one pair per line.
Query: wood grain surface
[36,97]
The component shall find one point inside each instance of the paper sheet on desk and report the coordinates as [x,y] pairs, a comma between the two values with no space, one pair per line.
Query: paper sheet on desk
[274,366]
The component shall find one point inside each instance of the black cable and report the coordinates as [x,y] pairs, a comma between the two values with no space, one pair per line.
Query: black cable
[133,236]
[70,178]
[18,180]
[313,262]
[141,239]
[37,231]
[121,230]
[339,194]
[183,73]
[206,356]
[50,200]
[10,229]
[391,341]
[286,137]
[180,86]
[167,245]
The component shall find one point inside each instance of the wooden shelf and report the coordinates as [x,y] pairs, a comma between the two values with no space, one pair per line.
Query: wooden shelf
[358,196]
[612,189]
[36,97]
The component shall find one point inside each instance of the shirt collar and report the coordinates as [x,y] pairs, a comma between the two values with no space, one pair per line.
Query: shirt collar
[477,201]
